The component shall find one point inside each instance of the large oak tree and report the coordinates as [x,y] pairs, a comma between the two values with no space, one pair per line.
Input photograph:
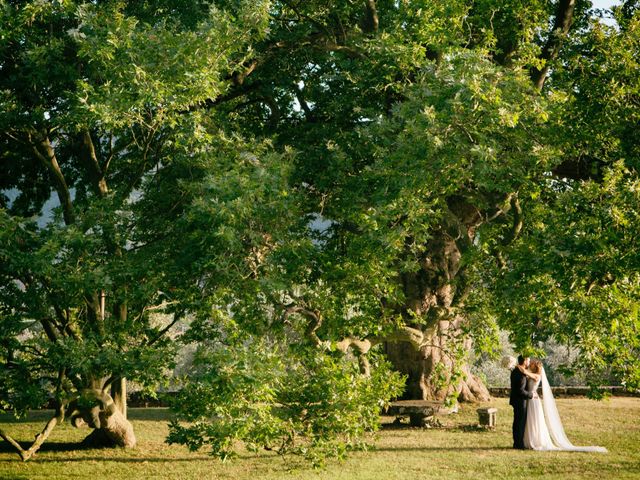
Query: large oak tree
[317,187]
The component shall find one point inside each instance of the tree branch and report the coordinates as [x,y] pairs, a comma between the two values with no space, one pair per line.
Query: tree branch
[315,321]
[176,318]
[517,217]
[330,46]
[561,26]
[92,301]
[415,337]
[91,159]
[301,15]
[48,329]
[501,209]
[50,161]
[323,41]
[303,103]
[40,438]
[370,21]
[274,118]
[238,78]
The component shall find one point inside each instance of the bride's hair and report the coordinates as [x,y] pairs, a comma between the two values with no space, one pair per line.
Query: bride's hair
[535,366]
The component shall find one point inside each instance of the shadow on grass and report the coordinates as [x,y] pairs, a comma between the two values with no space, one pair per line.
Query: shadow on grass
[51,447]
[125,460]
[156,414]
[66,447]
[442,449]
[139,413]
[435,427]
[404,426]
[195,457]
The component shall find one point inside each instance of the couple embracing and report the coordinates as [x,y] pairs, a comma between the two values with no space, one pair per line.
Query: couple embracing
[536,422]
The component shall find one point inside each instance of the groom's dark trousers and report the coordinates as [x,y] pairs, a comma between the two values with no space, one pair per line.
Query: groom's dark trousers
[518,400]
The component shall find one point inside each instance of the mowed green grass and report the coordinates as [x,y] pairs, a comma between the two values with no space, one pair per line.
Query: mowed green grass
[455,451]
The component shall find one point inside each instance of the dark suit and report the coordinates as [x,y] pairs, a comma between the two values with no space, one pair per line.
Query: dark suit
[518,400]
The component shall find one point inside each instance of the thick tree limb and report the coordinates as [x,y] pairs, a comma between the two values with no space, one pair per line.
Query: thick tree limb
[47,325]
[415,337]
[12,442]
[501,209]
[516,226]
[370,21]
[361,347]
[238,78]
[330,46]
[40,437]
[95,171]
[517,217]
[274,109]
[97,409]
[561,26]
[119,395]
[49,160]
[315,321]
[94,312]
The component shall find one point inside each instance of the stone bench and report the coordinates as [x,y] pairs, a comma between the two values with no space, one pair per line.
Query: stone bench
[421,413]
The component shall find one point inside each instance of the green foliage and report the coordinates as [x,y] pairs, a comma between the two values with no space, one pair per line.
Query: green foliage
[284,174]
[94,110]
[271,394]
[574,276]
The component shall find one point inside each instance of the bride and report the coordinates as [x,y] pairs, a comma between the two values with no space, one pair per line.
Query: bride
[544,429]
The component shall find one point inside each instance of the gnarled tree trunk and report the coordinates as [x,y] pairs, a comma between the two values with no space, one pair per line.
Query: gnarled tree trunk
[424,365]
[98,410]
[433,292]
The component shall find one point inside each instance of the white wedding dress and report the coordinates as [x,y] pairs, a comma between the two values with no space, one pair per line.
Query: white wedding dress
[544,429]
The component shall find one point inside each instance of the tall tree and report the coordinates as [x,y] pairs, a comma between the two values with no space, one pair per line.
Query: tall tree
[422,145]
[94,113]
[322,81]
[316,185]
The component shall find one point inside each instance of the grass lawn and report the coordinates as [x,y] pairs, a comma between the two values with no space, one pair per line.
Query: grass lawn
[454,451]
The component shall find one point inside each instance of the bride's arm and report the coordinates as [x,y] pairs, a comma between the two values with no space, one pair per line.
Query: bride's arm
[529,374]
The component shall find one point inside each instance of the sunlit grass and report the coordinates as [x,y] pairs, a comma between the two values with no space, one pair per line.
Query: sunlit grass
[454,451]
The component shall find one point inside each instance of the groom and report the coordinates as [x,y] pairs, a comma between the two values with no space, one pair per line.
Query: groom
[518,400]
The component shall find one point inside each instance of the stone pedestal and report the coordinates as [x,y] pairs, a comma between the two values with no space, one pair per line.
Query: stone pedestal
[487,417]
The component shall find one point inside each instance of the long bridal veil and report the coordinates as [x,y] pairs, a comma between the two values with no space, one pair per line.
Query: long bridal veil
[555,424]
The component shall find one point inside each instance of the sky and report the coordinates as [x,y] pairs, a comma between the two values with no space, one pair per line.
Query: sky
[604,3]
